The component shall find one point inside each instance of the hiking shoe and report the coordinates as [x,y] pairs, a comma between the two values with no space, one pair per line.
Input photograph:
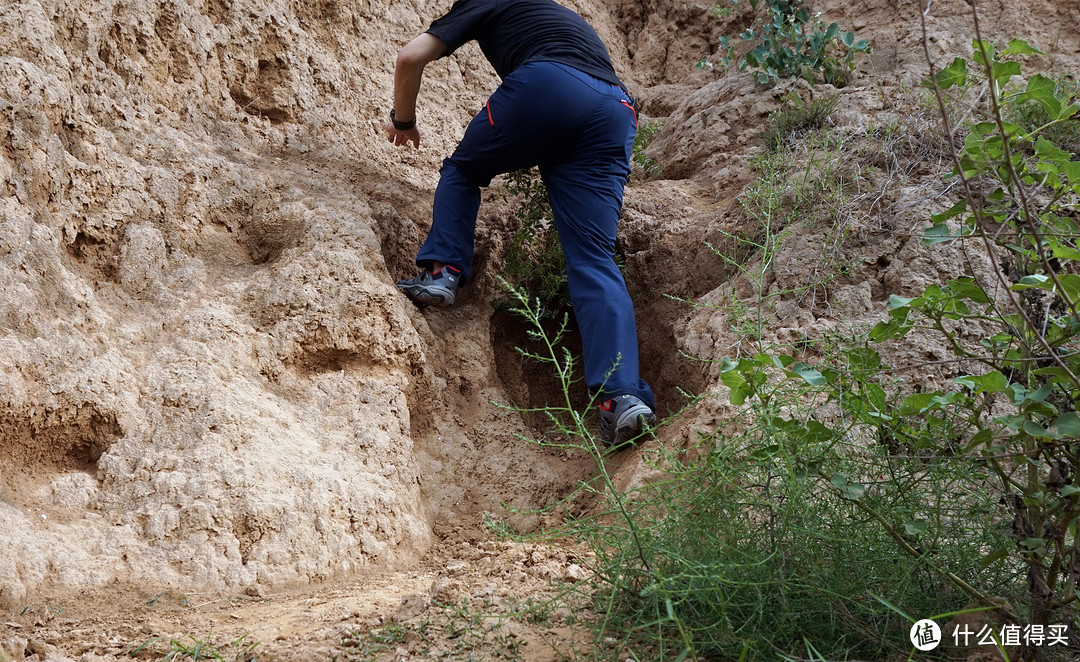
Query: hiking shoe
[623,417]
[433,287]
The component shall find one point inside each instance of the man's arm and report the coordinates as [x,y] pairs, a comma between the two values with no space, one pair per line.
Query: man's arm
[411,61]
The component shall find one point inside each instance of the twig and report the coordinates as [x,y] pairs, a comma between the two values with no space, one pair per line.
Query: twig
[977,209]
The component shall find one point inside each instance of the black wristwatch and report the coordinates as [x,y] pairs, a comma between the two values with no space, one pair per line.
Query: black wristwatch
[402,126]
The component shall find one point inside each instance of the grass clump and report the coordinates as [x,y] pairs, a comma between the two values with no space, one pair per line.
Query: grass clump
[642,139]
[192,649]
[795,116]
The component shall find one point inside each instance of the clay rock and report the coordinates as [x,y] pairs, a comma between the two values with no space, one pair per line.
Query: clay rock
[204,368]
[142,257]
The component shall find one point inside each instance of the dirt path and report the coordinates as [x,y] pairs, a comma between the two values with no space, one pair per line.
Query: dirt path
[471,598]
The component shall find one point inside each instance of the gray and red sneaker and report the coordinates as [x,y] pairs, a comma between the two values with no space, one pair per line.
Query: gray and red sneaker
[436,288]
[624,417]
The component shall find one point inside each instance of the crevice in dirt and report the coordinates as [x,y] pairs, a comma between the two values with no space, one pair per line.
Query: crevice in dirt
[421,407]
[58,441]
[399,237]
[96,256]
[166,27]
[249,530]
[529,383]
[330,359]
[251,106]
[261,237]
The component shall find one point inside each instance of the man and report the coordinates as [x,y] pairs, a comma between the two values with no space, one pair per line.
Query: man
[560,107]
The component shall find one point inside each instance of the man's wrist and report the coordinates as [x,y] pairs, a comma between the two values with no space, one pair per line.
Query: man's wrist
[400,125]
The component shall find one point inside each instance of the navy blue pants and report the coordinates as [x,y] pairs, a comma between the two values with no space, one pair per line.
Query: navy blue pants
[579,130]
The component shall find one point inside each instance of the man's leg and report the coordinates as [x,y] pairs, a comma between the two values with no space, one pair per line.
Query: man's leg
[457,202]
[586,208]
[586,191]
[508,134]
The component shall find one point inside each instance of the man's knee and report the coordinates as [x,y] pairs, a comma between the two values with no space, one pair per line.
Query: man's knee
[465,172]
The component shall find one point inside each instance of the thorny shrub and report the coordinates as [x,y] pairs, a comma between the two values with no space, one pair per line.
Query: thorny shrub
[993,463]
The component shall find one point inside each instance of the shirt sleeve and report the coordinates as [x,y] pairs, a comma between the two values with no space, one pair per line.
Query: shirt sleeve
[464,22]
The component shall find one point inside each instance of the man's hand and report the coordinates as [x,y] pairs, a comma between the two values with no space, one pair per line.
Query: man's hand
[408,71]
[402,138]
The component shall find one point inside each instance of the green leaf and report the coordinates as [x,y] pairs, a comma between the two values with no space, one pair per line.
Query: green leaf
[991,382]
[1020,47]
[766,452]
[778,360]
[1034,280]
[816,432]
[998,342]
[954,74]
[1021,395]
[1070,287]
[1003,71]
[1041,90]
[1033,429]
[1036,545]
[915,527]
[978,47]
[848,488]
[808,374]
[735,381]
[1048,151]
[937,234]
[1068,490]
[1062,250]
[979,438]
[887,330]
[967,288]
[959,208]
[1067,425]
[917,403]
[1014,423]
[1071,170]
[898,302]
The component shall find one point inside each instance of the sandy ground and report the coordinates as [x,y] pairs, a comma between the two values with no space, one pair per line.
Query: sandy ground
[474,598]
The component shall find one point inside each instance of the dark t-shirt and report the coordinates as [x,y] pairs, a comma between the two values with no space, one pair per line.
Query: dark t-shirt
[513,32]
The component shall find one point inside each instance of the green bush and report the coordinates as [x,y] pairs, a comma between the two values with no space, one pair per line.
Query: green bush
[1016,412]
[787,43]
[534,259]
[746,550]
[750,553]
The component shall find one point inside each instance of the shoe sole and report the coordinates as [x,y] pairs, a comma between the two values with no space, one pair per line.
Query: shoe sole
[433,296]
